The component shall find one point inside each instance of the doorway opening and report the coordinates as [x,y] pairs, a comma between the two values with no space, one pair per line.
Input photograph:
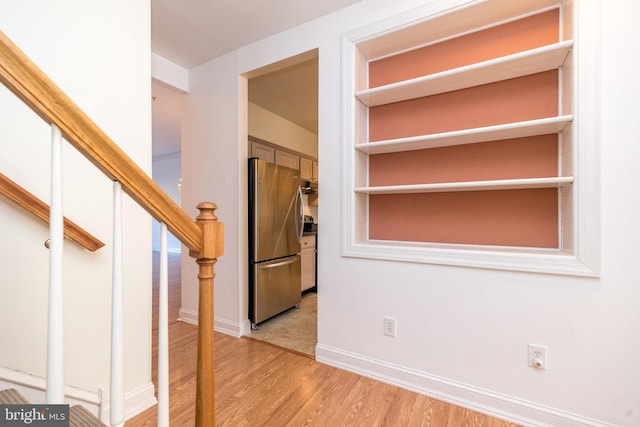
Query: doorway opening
[283,129]
[166,143]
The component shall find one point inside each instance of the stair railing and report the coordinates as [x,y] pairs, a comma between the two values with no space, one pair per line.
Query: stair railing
[203,237]
[23,198]
[55,356]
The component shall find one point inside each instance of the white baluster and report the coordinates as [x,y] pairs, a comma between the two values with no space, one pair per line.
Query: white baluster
[55,336]
[163,332]
[117,322]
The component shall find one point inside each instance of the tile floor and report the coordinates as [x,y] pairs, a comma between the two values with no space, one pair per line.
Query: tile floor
[294,329]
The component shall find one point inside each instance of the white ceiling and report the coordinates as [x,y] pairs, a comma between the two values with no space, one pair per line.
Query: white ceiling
[192,32]
[291,92]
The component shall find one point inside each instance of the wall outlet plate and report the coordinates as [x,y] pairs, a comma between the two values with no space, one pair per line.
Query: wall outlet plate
[537,357]
[389,326]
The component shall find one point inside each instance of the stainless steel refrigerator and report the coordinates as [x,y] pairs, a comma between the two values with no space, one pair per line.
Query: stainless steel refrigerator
[275,228]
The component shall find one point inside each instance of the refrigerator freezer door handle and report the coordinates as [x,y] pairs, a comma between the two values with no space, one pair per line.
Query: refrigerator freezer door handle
[278,264]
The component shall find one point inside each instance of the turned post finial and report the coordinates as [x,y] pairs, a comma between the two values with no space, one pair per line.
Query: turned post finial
[207,211]
[212,232]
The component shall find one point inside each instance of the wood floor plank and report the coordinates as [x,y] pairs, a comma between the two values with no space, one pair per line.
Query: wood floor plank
[411,409]
[364,403]
[322,405]
[262,385]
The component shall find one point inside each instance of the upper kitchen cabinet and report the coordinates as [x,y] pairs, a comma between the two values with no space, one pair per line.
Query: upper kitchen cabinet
[272,153]
[285,158]
[262,151]
[308,169]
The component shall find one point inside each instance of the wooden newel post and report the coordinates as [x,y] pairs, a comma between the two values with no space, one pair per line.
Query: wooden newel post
[212,248]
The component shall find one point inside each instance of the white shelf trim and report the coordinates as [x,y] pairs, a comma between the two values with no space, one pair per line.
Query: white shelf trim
[499,184]
[439,20]
[468,136]
[506,67]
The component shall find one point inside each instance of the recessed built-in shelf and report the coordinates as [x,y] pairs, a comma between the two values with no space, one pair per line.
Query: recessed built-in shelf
[468,136]
[449,187]
[506,67]
[442,21]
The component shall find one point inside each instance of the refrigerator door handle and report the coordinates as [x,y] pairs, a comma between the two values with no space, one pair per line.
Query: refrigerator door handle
[299,220]
[278,264]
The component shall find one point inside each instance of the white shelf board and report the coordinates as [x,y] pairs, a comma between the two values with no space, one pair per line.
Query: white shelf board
[507,67]
[449,187]
[440,20]
[468,136]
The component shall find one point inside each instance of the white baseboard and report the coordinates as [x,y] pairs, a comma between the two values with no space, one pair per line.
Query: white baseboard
[224,326]
[136,401]
[33,388]
[245,328]
[234,329]
[506,407]
[188,316]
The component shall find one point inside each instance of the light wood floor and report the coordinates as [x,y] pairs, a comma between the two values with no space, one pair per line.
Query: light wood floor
[258,384]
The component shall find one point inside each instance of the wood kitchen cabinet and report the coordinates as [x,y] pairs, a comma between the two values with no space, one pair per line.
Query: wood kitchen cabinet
[284,158]
[306,168]
[308,262]
[263,151]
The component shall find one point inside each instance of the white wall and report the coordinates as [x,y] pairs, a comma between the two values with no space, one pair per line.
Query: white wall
[214,159]
[98,52]
[270,127]
[462,332]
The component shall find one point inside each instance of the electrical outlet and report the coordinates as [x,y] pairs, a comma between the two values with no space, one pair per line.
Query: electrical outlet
[537,357]
[389,326]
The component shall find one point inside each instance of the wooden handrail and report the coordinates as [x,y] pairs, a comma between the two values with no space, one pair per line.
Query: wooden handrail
[204,238]
[40,209]
[22,77]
